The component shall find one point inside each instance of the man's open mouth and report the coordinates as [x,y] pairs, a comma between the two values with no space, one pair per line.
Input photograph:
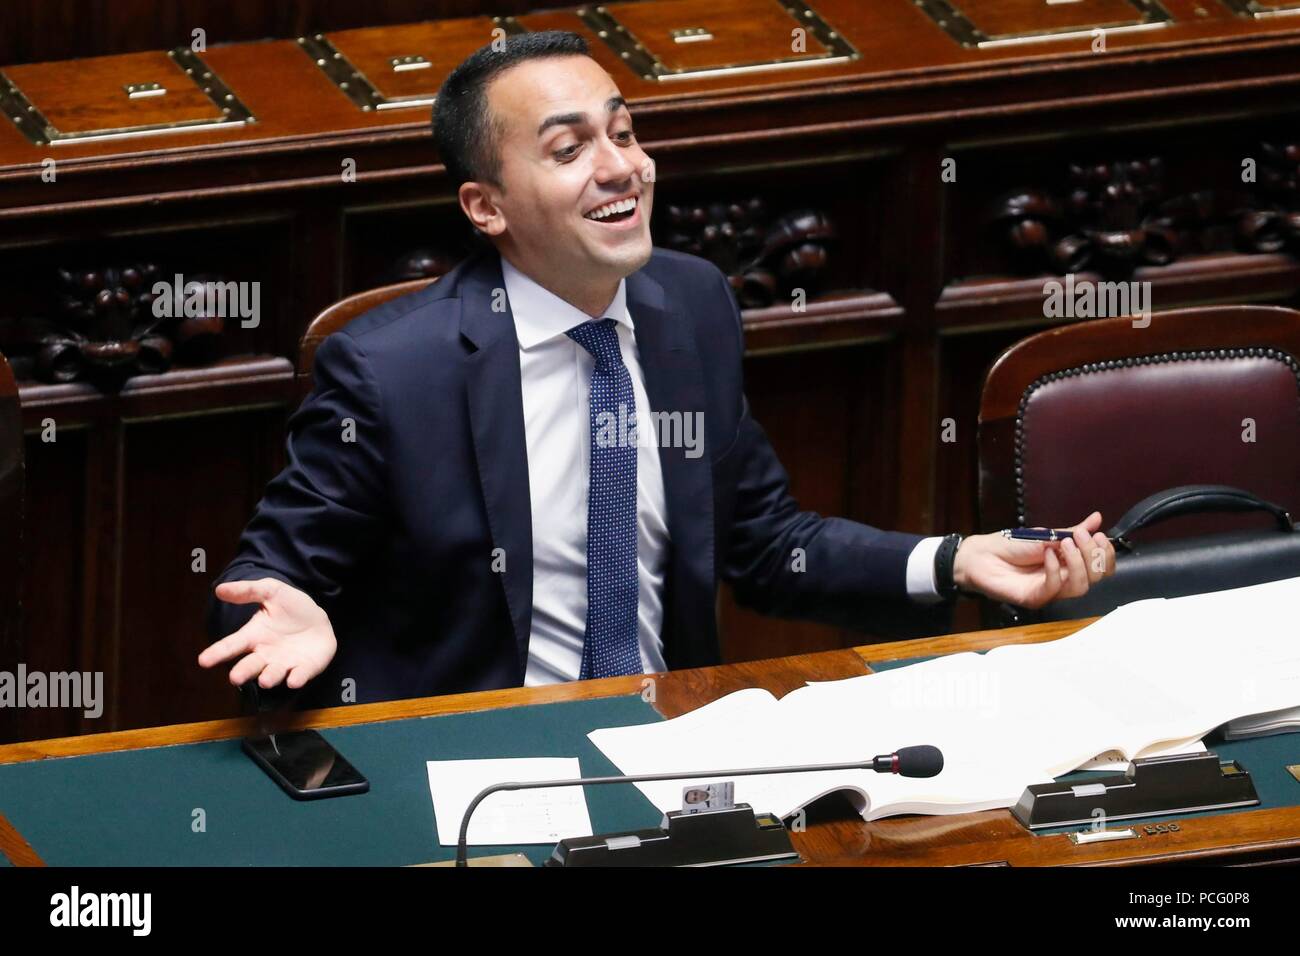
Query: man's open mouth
[616,211]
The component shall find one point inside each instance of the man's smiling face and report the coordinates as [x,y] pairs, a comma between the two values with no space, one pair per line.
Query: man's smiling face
[577,188]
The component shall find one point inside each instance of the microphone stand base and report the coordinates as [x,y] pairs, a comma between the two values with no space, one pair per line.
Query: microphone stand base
[504,859]
[720,837]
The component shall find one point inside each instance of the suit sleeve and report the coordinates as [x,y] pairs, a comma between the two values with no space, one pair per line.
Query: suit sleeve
[324,513]
[786,562]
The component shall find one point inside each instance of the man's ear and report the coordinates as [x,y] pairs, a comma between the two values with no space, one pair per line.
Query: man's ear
[478,204]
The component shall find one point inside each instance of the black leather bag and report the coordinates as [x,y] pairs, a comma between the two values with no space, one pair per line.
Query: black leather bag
[1175,567]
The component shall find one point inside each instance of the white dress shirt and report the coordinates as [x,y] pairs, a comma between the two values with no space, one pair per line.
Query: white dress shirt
[555,375]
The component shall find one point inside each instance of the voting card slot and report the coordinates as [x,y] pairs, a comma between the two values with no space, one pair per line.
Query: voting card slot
[1176,783]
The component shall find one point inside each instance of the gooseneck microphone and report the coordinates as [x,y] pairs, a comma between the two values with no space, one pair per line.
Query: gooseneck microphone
[919,761]
[923,760]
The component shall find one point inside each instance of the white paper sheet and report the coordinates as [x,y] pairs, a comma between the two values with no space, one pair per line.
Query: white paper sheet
[510,817]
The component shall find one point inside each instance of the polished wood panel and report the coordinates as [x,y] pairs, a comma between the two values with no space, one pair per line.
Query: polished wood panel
[829,179]
[120,569]
[32,30]
[284,89]
[91,97]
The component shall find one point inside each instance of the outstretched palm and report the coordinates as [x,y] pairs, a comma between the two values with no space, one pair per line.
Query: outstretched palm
[289,638]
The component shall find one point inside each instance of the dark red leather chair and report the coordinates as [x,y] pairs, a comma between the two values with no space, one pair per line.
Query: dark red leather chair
[1099,415]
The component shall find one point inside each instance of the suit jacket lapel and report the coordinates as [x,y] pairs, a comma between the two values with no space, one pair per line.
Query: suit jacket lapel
[674,383]
[497,422]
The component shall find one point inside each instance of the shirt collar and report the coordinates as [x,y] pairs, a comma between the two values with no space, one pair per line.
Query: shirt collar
[541,315]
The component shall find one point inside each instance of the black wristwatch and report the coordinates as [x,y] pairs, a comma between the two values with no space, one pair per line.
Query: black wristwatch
[944,560]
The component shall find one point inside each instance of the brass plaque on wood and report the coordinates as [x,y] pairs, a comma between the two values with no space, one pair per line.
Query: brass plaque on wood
[171,92]
[388,68]
[1263,9]
[688,40]
[993,23]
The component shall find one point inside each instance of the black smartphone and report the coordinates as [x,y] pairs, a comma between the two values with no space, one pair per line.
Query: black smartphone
[305,766]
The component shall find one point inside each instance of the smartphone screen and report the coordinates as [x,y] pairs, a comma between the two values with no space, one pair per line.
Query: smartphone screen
[305,766]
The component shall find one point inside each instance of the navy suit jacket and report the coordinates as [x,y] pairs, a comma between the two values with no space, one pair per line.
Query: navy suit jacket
[394,533]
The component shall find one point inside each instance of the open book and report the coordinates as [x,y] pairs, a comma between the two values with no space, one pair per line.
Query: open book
[1151,677]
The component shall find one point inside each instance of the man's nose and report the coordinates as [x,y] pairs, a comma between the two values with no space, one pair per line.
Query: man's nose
[614,162]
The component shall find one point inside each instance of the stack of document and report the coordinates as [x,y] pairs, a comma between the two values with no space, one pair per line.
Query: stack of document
[1262,725]
[1152,677]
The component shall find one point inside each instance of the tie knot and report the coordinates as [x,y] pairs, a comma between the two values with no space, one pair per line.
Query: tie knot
[600,338]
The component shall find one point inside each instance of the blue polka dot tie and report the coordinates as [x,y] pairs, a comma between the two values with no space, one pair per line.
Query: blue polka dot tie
[610,644]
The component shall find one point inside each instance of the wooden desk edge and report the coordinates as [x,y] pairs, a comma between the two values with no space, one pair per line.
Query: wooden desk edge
[970,641]
[693,686]
[18,851]
[1202,839]
[1257,834]
[228,728]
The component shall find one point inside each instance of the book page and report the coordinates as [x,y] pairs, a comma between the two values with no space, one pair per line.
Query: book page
[1151,677]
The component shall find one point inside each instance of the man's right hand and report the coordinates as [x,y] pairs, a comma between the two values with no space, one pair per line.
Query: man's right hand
[290,636]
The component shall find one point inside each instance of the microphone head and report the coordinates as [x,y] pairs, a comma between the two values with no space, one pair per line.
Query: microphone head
[920,761]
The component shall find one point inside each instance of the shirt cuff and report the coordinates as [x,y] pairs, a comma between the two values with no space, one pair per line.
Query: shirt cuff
[921,585]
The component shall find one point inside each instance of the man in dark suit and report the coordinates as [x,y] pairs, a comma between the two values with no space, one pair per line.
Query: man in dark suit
[540,467]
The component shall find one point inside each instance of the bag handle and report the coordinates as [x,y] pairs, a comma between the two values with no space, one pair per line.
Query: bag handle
[1193,499]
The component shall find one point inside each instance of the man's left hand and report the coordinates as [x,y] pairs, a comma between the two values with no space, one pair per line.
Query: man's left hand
[1033,573]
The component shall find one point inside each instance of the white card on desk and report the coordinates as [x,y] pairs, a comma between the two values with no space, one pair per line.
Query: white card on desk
[510,817]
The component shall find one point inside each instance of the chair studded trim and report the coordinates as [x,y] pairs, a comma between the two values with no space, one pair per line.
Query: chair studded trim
[1265,352]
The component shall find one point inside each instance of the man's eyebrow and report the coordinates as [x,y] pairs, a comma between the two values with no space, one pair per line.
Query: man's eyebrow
[612,105]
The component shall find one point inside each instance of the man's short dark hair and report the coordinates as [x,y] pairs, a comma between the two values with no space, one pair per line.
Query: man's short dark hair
[468,136]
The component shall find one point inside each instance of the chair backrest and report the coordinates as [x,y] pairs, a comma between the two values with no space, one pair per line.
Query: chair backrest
[340,314]
[11,514]
[1101,414]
